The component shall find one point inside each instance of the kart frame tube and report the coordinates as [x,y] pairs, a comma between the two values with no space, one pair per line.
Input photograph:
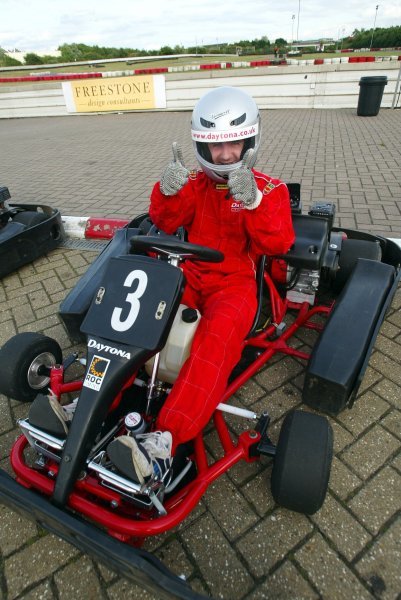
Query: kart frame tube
[178,507]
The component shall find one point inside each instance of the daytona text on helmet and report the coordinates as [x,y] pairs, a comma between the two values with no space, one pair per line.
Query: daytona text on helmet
[226,114]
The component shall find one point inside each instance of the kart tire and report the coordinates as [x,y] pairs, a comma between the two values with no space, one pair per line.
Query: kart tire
[20,361]
[29,218]
[302,463]
[351,250]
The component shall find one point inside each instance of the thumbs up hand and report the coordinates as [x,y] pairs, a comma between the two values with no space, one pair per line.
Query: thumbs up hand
[175,175]
[242,184]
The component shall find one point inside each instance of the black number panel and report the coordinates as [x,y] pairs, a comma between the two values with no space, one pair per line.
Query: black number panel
[136,302]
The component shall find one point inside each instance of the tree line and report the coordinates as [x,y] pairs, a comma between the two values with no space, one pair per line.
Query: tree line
[381,37]
[389,37]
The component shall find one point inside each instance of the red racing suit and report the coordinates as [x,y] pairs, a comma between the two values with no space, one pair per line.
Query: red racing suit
[224,293]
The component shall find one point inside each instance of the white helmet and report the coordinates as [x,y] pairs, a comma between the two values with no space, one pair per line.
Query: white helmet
[223,115]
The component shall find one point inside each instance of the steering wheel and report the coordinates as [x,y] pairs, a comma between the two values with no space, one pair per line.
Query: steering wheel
[171,245]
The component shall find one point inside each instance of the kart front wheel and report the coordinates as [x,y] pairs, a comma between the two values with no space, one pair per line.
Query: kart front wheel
[302,462]
[25,362]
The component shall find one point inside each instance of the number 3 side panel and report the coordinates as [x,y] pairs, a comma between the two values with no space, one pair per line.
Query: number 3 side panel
[128,321]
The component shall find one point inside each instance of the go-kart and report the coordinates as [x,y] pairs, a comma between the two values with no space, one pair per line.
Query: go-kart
[338,283]
[27,231]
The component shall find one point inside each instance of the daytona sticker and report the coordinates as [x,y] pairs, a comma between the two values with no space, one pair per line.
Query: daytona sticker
[239,133]
[103,348]
[96,373]
[237,206]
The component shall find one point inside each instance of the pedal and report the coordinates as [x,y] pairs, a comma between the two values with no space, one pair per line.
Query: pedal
[280,328]
[157,504]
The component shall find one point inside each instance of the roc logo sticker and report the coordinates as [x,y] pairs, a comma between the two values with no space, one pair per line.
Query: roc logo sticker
[96,372]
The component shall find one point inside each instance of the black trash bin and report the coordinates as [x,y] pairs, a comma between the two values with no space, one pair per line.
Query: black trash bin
[370,95]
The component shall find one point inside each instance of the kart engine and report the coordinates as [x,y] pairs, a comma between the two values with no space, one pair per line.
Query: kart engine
[304,286]
[301,282]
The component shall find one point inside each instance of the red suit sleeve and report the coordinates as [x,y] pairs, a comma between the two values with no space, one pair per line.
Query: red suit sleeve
[269,226]
[170,212]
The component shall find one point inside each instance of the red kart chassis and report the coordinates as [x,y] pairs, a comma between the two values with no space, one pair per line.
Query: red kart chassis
[182,503]
[66,500]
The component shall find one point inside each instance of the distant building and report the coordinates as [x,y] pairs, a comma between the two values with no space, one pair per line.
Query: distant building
[319,45]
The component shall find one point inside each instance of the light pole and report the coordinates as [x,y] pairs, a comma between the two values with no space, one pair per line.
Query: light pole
[342,38]
[374,27]
[299,10]
[292,31]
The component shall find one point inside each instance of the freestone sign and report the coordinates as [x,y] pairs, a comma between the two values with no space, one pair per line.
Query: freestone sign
[145,92]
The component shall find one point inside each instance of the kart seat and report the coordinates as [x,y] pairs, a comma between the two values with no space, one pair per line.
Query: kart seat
[250,352]
[259,293]
[311,239]
[10,230]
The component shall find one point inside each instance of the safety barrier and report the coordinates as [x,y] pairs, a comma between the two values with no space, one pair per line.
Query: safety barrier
[56,77]
[202,67]
[92,227]
[293,84]
[151,71]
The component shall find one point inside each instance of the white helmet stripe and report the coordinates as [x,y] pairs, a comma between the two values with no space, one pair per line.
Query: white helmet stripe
[239,133]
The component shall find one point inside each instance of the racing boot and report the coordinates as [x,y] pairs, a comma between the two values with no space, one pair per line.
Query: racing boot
[142,456]
[46,413]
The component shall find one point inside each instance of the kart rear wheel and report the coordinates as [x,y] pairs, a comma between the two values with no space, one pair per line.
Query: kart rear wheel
[302,462]
[25,361]
[351,250]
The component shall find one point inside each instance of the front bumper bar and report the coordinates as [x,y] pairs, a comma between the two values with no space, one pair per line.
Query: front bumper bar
[135,564]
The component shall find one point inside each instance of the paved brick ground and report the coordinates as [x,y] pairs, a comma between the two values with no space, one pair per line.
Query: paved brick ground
[237,544]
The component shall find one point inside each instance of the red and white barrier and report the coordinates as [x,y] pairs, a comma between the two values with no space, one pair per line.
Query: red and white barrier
[92,227]
[202,67]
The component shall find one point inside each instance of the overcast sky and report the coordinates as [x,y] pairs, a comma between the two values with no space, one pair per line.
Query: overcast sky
[43,25]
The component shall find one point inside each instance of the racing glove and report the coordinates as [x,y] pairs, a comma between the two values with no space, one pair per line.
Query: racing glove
[175,175]
[242,184]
